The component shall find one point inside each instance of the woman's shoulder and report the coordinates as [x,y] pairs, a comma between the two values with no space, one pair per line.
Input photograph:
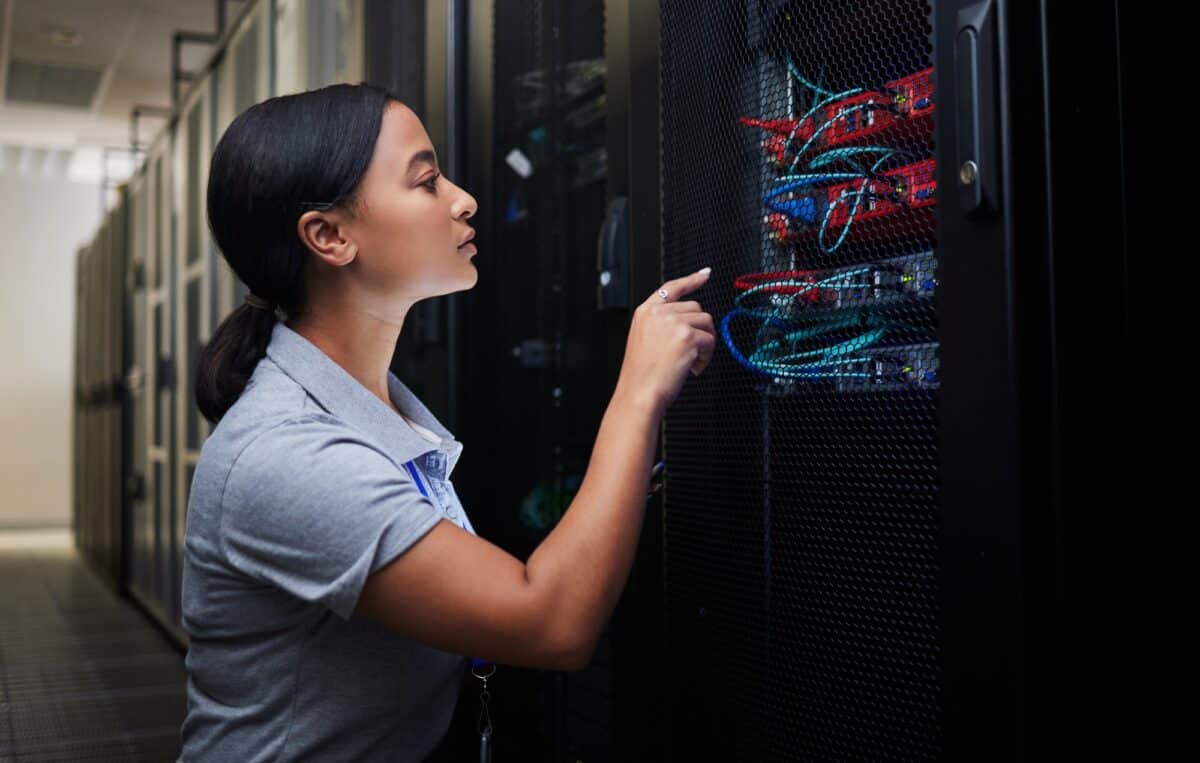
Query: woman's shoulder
[270,401]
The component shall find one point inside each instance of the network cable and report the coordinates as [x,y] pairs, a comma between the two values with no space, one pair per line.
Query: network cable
[779,356]
[821,363]
[806,208]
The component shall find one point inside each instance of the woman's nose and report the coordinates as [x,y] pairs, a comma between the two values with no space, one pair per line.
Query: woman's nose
[465,206]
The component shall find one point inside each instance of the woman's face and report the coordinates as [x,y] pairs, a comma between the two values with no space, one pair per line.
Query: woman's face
[410,225]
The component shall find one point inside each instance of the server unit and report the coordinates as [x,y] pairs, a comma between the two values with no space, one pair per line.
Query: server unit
[191,147]
[160,552]
[97,512]
[548,152]
[140,526]
[149,300]
[863,531]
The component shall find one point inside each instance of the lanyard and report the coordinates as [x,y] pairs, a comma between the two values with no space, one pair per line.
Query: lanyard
[481,669]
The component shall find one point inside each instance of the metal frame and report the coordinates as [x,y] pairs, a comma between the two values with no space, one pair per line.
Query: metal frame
[161,381]
[988,486]
[140,528]
[197,272]
[1021,383]
[99,464]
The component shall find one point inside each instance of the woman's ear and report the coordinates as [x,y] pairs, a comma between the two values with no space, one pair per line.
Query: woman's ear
[325,236]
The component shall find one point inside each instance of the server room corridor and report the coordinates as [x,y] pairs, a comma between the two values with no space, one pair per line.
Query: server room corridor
[575,381]
[84,675]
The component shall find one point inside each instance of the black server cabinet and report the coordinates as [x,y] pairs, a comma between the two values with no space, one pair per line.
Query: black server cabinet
[542,339]
[865,532]
[411,49]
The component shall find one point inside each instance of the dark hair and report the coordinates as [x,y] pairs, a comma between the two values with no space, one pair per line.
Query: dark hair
[277,160]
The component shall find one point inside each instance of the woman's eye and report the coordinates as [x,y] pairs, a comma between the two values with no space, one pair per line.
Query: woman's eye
[431,183]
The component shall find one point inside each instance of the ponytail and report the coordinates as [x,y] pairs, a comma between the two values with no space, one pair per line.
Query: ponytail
[228,360]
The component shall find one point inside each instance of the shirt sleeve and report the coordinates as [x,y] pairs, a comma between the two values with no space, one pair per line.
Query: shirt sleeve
[313,508]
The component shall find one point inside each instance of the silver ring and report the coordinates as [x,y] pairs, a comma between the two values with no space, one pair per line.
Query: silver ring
[663,293]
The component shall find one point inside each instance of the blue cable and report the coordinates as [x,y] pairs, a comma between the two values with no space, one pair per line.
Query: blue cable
[775,315]
[846,152]
[803,209]
[796,73]
[733,350]
[824,283]
[831,356]
[820,105]
[806,208]
[761,363]
[829,353]
[849,220]
[800,181]
[825,126]
[858,196]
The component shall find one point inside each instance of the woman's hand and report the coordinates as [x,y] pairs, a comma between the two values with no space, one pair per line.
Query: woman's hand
[667,339]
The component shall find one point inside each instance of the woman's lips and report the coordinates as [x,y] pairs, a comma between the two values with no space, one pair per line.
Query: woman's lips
[468,248]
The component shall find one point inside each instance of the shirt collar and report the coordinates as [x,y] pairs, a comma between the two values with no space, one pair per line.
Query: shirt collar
[342,395]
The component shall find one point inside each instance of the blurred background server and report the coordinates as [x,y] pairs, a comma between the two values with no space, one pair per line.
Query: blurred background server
[863,548]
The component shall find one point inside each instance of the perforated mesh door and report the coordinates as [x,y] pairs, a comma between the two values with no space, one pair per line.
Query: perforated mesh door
[537,353]
[801,513]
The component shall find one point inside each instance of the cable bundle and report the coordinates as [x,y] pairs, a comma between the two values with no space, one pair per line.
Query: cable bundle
[858,172]
[798,346]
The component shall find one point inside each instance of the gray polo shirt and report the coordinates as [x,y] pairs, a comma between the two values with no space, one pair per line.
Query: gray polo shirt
[307,485]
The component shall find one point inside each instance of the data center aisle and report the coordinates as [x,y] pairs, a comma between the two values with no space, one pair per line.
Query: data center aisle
[84,676]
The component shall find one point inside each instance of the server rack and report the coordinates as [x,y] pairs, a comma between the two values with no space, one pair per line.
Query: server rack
[550,153]
[864,522]
[242,78]
[139,533]
[194,265]
[632,230]
[182,288]
[411,49]
[97,514]
[77,409]
[79,421]
[161,377]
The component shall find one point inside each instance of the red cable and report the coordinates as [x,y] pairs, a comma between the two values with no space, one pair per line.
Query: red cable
[750,280]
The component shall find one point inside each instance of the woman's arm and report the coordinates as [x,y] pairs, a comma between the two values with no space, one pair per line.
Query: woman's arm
[582,566]
[460,593]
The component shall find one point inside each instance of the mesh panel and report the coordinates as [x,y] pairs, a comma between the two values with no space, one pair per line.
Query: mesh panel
[548,359]
[801,517]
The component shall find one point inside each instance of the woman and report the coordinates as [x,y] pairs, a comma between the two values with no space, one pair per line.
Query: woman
[332,583]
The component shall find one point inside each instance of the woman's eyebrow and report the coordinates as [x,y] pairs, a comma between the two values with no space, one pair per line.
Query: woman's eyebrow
[427,156]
